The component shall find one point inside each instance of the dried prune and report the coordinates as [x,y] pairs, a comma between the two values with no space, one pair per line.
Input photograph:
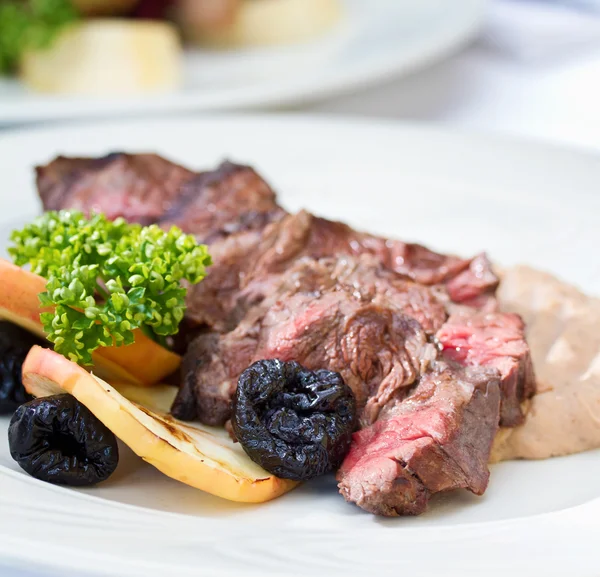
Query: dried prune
[295,423]
[15,343]
[59,440]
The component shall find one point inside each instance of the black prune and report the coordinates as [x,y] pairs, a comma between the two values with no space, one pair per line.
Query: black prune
[295,423]
[15,343]
[59,440]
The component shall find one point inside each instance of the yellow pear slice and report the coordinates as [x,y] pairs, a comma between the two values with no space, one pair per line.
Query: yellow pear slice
[202,457]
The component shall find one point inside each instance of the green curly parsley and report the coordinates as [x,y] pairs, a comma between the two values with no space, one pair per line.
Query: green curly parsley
[30,24]
[108,278]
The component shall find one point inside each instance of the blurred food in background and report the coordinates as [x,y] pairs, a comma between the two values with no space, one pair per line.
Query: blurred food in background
[106,56]
[103,47]
[255,22]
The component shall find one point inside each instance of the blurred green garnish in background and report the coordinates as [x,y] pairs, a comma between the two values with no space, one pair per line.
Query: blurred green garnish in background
[30,24]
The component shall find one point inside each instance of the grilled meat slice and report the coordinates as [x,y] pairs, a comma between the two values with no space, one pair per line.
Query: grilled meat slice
[439,438]
[148,189]
[137,187]
[247,266]
[428,419]
[349,315]
[215,204]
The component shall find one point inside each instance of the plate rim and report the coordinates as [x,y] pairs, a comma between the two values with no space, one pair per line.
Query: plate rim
[431,127]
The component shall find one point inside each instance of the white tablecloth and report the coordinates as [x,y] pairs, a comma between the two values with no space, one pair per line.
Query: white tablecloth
[484,89]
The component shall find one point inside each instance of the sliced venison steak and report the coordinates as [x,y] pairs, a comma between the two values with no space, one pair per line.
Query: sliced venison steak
[137,187]
[252,240]
[247,266]
[417,335]
[428,421]
[438,438]
[493,339]
[148,189]
[216,204]
[350,315]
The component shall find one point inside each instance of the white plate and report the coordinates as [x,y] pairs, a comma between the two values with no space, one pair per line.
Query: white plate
[377,39]
[457,192]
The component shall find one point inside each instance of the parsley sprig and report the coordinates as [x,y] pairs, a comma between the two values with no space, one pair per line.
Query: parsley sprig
[107,278]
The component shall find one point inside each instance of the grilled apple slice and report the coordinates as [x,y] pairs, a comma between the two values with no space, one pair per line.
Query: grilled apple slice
[144,362]
[203,457]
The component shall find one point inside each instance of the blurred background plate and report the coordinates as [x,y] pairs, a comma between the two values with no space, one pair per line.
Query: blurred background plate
[376,40]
